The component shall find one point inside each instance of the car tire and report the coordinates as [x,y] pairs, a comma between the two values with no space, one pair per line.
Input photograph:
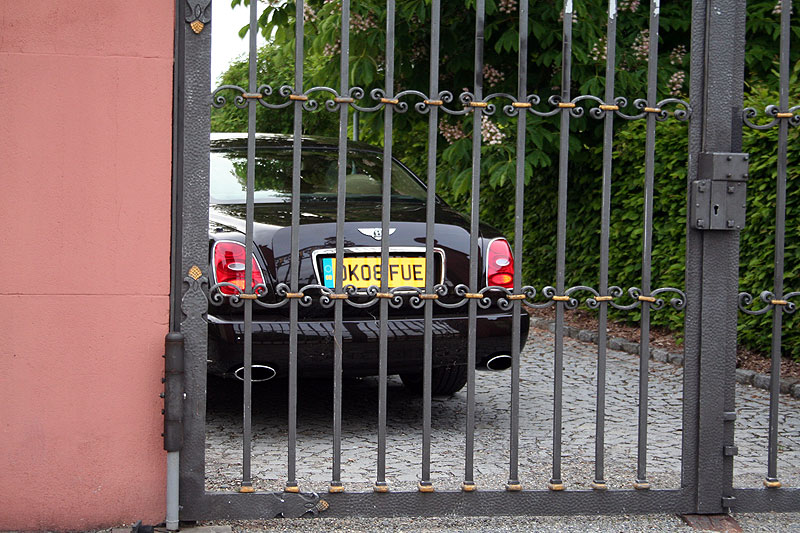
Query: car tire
[445,381]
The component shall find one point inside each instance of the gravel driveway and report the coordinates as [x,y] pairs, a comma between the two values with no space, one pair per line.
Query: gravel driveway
[359,429]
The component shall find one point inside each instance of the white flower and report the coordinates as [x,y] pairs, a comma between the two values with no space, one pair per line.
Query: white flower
[508,6]
[492,75]
[641,46]
[675,82]
[451,132]
[490,133]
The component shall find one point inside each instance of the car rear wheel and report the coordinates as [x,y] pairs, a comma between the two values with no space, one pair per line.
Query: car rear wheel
[445,380]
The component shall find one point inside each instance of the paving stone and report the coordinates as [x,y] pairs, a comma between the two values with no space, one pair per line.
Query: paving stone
[630,347]
[762,381]
[615,343]
[660,355]
[676,359]
[404,428]
[744,376]
[787,384]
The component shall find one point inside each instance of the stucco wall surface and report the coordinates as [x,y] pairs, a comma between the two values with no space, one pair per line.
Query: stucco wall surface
[85,145]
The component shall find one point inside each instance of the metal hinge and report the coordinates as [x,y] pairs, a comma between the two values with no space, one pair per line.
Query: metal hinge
[730,451]
[728,501]
[718,198]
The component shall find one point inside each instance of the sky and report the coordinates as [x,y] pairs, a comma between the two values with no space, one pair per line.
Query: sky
[225,42]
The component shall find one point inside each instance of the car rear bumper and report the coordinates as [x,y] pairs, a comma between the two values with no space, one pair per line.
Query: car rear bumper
[360,343]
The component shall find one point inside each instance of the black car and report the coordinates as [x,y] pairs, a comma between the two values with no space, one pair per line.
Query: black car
[362,238]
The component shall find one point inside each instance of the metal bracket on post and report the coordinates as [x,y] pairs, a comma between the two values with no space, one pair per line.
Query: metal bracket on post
[173,392]
[719,196]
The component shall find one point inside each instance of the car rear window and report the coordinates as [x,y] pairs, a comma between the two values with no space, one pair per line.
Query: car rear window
[318,176]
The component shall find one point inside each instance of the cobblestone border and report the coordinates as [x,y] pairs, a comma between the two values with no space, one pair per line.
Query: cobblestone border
[746,377]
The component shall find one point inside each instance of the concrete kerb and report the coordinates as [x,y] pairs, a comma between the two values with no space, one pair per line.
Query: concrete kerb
[745,377]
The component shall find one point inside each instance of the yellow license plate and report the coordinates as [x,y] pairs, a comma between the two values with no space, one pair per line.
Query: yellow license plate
[362,272]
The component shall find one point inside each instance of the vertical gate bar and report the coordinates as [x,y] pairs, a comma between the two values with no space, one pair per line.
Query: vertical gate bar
[380,483]
[519,207]
[247,431]
[294,267]
[469,476]
[712,257]
[647,244]
[430,214]
[336,477]
[599,482]
[780,229]
[561,243]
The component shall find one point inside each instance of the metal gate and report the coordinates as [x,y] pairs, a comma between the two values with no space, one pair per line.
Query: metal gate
[715,193]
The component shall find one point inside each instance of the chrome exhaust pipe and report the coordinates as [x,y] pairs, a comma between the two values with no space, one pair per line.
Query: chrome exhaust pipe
[258,373]
[496,363]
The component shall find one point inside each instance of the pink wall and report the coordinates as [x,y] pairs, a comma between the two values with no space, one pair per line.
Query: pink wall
[85,171]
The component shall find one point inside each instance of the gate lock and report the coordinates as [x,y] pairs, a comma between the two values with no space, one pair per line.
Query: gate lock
[718,198]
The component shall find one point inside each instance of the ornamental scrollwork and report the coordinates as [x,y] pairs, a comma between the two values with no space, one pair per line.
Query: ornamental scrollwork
[773,111]
[198,14]
[768,298]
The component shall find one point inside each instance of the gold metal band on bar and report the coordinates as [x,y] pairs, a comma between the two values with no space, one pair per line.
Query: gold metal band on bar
[598,486]
[772,484]
[785,115]
[468,487]
[473,295]
[298,97]
[343,100]
[652,110]
[779,302]
[428,296]
[335,489]
[380,488]
[605,107]
[294,294]
[335,296]
[478,104]
[393,101]
[524,105]
[292,488]
[433,102]
[247,296]
[514,487]
[604,298]
[427,487]
[516,296]
[647,299]
[384,295]
[247,489]
[555,486]
[568,105]
[253,96]
[644,485]
[560,298]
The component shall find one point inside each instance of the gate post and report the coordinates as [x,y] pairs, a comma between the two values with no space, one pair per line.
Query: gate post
[190,263]
[712,260]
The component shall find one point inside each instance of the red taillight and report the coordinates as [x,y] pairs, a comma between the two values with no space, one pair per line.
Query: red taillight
[500,265]
[229,267]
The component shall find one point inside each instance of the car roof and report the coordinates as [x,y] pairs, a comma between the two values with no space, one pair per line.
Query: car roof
[279,140]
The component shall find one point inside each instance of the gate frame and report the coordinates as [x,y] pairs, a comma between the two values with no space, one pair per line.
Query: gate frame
[711,313]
